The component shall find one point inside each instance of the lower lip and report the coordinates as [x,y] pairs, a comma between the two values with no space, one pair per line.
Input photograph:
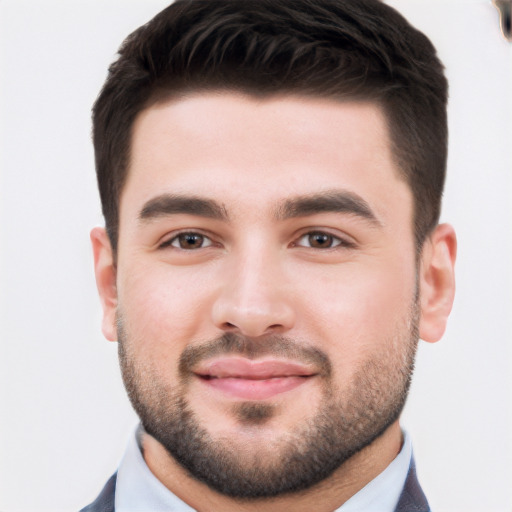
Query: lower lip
[254,389]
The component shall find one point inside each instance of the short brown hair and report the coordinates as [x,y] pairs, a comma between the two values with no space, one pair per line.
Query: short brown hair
[355,49]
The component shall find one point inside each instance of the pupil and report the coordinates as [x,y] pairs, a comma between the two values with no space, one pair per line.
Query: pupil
[320,240]
[191,240]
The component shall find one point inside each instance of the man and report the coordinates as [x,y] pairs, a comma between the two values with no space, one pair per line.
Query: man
[271,174]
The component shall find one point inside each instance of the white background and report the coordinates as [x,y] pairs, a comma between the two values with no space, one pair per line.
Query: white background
[64,418]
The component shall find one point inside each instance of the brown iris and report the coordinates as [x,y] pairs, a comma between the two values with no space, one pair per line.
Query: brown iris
[190,240]
[320,240]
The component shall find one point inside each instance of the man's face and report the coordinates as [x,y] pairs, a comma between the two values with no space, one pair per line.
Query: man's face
[266,286]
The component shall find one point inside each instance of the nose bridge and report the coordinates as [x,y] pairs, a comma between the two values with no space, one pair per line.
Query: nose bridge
[253,299]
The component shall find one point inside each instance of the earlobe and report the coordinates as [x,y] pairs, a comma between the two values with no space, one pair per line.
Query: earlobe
[105,271]
[437,282]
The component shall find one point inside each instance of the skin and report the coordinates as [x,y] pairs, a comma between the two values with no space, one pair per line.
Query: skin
[257,273]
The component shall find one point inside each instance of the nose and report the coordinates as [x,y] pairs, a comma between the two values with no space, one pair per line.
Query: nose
[254,299]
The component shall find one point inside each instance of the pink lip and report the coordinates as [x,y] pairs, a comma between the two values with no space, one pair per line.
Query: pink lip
[252,380]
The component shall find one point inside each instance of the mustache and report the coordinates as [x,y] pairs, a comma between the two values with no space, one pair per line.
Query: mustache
[254,348]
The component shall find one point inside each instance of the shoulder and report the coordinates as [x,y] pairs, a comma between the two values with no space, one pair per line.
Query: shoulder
[105,501]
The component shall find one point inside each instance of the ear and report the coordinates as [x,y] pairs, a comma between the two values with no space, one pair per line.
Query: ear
[437,282]
[105,271]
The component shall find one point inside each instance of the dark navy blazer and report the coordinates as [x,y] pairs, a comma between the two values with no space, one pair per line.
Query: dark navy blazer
[412,498]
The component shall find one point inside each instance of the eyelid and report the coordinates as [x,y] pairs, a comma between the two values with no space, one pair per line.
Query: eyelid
[171,237]
[344,241]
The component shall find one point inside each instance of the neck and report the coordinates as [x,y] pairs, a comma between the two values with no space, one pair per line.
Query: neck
[326,496]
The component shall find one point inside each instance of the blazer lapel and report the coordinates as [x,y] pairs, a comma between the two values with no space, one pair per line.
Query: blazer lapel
[105,501]
[412,498]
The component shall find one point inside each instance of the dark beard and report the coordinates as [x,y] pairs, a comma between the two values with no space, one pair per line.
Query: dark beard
[310,453]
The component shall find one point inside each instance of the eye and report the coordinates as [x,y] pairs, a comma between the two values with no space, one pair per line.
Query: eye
[321,240]
[188,241]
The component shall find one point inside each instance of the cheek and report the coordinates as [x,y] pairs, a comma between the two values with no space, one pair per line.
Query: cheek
[355,312]
[163,310]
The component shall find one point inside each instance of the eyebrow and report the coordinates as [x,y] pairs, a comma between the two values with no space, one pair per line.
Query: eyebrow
[335,201]
[331,201]
[169,204]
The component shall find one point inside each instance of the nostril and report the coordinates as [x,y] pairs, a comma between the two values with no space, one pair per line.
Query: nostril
[252,318]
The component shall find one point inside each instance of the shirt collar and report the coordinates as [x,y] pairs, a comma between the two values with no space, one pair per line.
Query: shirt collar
[383,492]
[137,489]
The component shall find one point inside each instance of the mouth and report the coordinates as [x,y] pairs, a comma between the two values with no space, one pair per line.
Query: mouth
[248,379]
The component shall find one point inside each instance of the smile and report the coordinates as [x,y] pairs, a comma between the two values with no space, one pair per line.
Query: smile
[253,380]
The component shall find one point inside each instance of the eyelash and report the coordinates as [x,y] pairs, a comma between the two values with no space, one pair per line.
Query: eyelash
[176,238]
[336,240]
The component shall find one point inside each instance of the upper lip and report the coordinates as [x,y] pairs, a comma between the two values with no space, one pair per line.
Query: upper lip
[243,368]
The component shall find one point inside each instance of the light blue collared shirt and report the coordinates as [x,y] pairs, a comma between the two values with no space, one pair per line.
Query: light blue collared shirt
[138,490]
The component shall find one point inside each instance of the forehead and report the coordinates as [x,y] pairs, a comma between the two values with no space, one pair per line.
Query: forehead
[234,146]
